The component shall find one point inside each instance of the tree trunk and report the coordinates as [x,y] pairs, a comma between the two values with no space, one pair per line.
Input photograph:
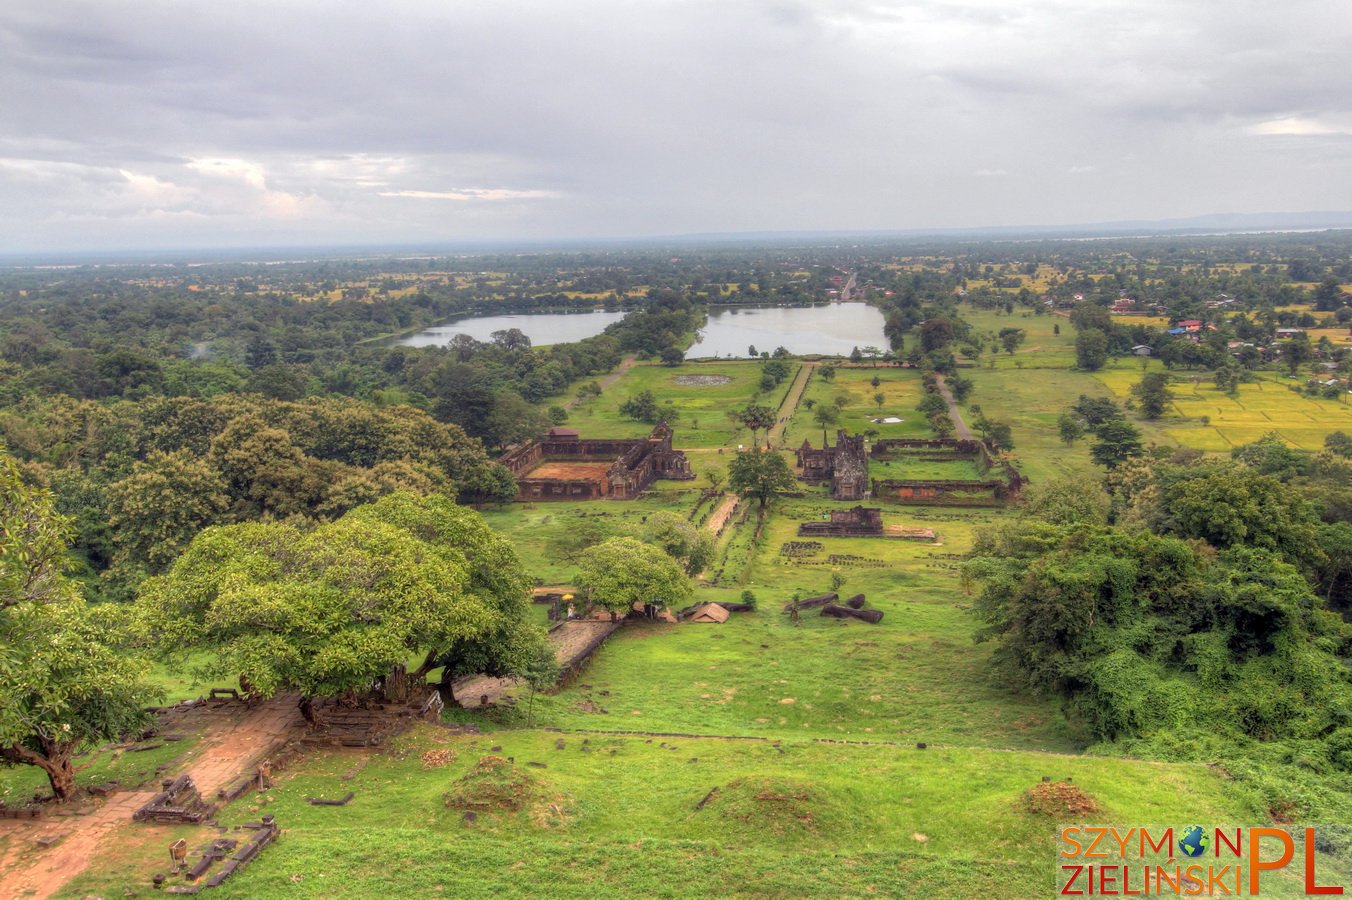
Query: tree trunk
[396,685]
[61,774]
[307,709]
[55,760]
[446,688]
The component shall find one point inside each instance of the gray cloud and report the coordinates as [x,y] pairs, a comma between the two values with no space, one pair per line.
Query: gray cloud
[133,123]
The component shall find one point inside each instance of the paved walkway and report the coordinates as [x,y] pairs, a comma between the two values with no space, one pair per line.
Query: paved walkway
[570,642]
[720,515]
[227,750]
[790,404]
[964,432]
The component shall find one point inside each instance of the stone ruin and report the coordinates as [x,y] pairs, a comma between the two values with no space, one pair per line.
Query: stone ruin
[565,466]
[845,466]
[222,858]
[1000,483]
[857,522]
[178,803]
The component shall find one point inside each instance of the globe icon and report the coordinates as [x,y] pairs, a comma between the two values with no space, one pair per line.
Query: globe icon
[1194,841]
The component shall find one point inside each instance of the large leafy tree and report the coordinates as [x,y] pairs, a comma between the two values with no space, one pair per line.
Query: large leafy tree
[760,474]
[157,509]
[1153,394]
[338,607]
[63,683]
[620,572]
[1091,349]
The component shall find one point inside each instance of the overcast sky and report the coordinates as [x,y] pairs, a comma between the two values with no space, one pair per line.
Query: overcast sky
[169,123]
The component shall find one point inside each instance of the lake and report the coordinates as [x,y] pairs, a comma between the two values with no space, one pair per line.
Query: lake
[827,329]
[831,329]
[541,328]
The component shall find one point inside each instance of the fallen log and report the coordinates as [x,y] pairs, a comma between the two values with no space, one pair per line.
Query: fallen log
[855,602]
[813,602]
[317,801]
[872,616]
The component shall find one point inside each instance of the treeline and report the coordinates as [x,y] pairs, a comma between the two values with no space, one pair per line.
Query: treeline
[1188,608]
[140,478]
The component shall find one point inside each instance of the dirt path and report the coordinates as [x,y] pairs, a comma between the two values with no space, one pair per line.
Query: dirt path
[625,365]
[721,514]
[964,432]
[570,641]
[790,404]
[228,749]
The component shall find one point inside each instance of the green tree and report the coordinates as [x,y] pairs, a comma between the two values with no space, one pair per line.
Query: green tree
[825,415]
[683,541]
[1069,500]
[65,683]
[879,399]
[335,608]
[642,407]
[1091,349]
[756,417]
[156,510]
[760,474]
[620,572]
[1153,394]
[1118,441]
[1012,338]
[1070,428]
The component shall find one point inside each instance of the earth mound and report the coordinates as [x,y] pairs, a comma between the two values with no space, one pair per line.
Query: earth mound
[1057,798]
[777,805]
[493,785]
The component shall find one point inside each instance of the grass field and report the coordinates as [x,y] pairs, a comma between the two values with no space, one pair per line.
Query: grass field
[611,815]
[1266,405]
[900,388]
[703,408]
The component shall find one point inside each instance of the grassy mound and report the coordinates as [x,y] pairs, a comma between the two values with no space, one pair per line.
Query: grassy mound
[493,785]
[1056,798]
[775,805]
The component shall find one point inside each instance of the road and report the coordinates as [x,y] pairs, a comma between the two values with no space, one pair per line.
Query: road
[847,289]
[964,432]
[791,399]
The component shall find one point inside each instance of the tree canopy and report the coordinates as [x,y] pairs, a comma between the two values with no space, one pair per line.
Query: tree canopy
[620,572]
[65,681]
[760,474]
[339,606]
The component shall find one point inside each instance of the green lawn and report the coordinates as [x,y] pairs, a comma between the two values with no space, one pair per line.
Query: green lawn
[901,389]
[616,816]
[703,408]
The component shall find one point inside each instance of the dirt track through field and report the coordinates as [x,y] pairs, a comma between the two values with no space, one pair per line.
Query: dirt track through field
[964,432]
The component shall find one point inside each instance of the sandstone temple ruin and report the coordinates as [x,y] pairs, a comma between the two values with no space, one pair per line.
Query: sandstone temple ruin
[565,466]
[845,465]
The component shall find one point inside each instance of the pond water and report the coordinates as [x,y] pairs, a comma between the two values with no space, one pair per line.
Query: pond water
[828,328]
[541,328]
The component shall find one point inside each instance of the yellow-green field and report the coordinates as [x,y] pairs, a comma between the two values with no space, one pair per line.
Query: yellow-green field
[1267,405]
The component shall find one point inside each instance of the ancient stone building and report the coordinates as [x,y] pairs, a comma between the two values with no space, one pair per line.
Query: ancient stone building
[845,465]
[565,466]
[857,522]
